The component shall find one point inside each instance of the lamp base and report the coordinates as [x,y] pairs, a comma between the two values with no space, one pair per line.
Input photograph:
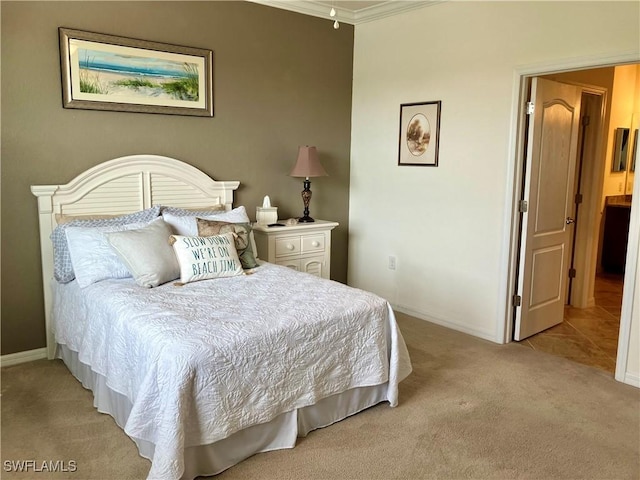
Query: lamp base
[306,198]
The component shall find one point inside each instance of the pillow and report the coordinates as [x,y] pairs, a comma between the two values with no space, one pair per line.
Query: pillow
[92,257]
[62,266]
[146,253]
[201,258]
[183,212]
[61,218]
[186,224]
[207,228]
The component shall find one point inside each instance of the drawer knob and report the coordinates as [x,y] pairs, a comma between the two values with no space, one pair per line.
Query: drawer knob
[315,243]
[290,246]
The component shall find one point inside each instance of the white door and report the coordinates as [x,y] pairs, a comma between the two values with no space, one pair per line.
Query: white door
[547,224]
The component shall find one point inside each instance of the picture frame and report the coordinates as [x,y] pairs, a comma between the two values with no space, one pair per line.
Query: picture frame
[108,72]
[419,134]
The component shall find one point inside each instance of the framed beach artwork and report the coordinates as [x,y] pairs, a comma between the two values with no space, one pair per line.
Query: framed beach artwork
[106,72]
[419,134]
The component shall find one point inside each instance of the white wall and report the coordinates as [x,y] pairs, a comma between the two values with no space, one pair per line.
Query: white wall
[631,372]
[629,340]
[449,226]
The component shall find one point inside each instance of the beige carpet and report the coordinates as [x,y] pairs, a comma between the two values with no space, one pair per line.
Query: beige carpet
[470,409]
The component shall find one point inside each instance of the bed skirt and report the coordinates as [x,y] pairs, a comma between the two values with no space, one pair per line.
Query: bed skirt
[216,457]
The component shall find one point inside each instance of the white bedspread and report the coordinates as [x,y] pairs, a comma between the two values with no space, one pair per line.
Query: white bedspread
[203,361]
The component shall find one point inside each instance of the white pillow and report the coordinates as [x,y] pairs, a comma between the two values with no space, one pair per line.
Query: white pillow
[92,257]
[186,224]
[201,258]
[147,254]
[62,266]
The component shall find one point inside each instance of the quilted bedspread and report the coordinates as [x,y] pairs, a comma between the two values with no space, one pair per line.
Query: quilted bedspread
[202,361]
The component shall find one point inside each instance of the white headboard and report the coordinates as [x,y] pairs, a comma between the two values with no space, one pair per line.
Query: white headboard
[120,186]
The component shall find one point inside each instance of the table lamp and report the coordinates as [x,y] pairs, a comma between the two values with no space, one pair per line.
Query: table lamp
[307,166]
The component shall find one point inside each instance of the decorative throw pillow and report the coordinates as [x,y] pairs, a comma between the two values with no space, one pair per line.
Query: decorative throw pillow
[186,224]
[92,257]
[147,254]
[201,258]
[206,228]
[62,266]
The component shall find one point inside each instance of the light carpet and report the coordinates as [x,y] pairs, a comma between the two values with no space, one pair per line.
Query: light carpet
[471,409]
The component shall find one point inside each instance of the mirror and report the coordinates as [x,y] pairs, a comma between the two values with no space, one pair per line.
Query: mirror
[620,150]
[634,151]
[628,189]
[634,140]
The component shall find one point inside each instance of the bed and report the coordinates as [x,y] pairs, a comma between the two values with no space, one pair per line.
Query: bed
[203,374]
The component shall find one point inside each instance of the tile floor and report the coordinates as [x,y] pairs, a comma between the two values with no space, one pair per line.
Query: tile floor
[587,335]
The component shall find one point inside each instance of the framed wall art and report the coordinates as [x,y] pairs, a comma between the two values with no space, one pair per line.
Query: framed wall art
[419,134]
[106,72]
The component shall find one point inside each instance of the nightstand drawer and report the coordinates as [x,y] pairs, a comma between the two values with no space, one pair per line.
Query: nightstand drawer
[287,246]
[313,243]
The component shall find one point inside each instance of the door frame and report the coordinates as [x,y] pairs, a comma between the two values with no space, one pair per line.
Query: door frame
[514,189]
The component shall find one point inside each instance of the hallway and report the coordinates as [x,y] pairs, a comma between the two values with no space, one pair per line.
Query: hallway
[587,335]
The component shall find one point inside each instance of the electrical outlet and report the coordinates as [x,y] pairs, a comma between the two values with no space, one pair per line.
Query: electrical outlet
[392,262]
[620,187]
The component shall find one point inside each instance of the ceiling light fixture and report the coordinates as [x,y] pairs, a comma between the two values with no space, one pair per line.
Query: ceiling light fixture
[332,13]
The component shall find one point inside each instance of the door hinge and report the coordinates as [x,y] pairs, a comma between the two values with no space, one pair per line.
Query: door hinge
[572,273]
[523,206]
[530,108]
[585,120]
[578,200]
[517,300]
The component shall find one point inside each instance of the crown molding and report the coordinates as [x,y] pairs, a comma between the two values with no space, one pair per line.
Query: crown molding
[352,17]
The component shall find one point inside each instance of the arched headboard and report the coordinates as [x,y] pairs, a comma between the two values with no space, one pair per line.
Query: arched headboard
[119,186]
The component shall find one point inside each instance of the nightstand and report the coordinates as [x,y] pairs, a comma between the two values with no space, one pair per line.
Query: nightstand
[305,247]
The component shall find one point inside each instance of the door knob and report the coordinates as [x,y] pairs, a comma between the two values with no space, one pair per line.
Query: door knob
[570,220]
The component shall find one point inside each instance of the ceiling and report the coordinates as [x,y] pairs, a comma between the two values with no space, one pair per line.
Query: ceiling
[352,12]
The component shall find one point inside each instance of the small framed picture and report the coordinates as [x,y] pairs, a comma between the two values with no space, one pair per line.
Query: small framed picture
[419,134]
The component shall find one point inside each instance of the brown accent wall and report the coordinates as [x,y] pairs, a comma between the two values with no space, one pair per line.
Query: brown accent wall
[281,79]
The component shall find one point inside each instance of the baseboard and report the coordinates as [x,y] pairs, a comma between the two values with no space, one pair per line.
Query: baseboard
[633,380]
[23,357]
[446,323]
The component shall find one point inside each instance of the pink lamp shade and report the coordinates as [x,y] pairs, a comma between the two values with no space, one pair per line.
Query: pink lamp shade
[308,164]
